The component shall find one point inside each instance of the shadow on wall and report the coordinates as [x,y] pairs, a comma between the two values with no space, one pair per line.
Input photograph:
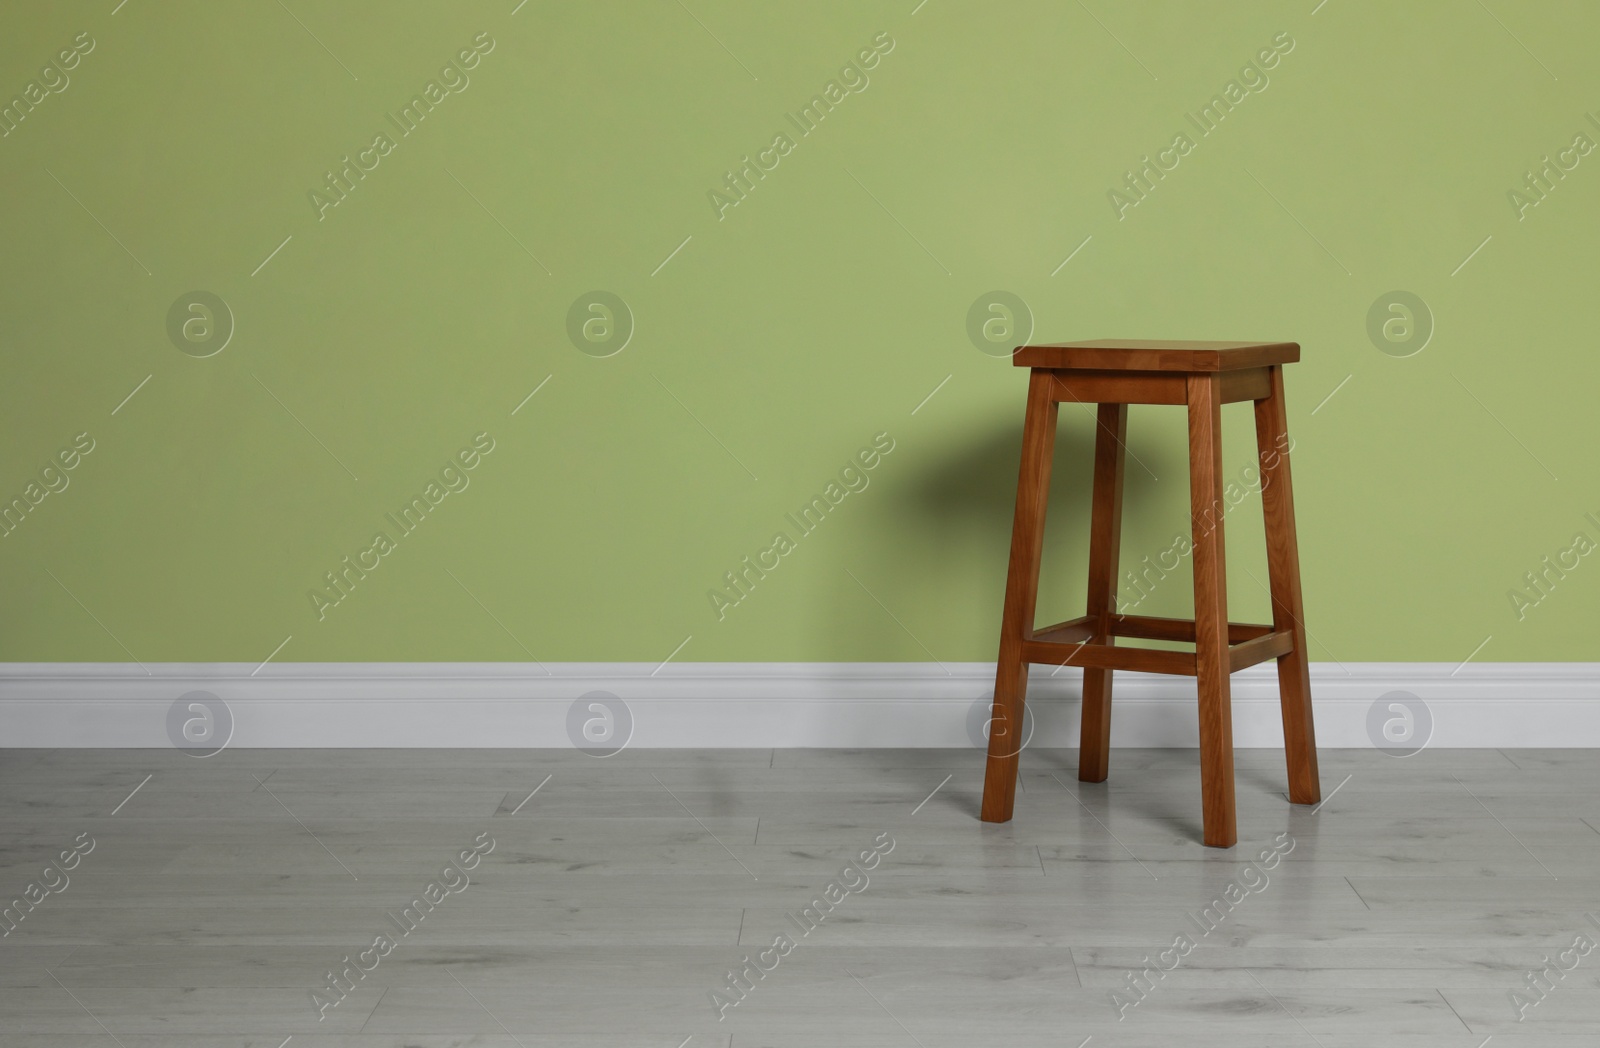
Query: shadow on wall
[958,506]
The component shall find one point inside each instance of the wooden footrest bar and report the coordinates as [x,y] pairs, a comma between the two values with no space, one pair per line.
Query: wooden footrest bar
[1270,646]
[1148,627]
[1068,644]
[1108,657]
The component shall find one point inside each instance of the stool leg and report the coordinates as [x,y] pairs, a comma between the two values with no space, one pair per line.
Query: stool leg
[1022,590]
[1283,568]
[1105,540]
[1211,610]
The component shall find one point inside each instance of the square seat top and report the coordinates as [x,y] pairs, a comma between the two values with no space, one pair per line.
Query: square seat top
[1127,354]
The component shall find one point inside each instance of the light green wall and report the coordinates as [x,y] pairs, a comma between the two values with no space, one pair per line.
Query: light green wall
[812,316]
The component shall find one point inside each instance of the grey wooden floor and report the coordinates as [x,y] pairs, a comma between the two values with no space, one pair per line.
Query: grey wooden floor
[616,899]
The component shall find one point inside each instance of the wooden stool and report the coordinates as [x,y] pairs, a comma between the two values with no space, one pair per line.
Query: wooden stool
[1114,373]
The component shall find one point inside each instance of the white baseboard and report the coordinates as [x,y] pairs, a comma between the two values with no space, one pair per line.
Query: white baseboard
[760,704]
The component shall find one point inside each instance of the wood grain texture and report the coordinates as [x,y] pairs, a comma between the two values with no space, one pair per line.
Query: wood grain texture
[1119,387]
[1115,354]
[1022,591]
[1248,384]
[1288,613]
[1105,545]
[1211,611]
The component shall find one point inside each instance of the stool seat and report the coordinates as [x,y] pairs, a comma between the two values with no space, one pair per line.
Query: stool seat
[1201,377]
[1126,354]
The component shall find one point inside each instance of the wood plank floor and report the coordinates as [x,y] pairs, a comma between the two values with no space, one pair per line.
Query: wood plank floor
[219,894]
